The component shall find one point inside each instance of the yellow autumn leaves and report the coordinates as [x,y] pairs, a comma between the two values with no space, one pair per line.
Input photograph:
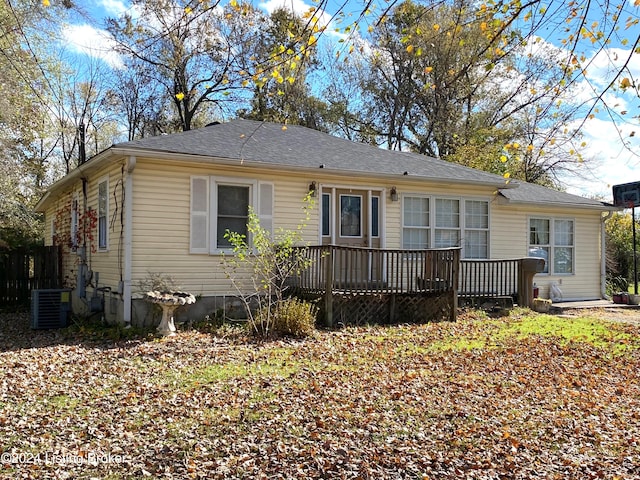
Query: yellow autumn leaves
[513,151]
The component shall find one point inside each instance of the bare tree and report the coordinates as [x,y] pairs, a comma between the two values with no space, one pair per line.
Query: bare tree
[437,83]
[190,49]
[135,96]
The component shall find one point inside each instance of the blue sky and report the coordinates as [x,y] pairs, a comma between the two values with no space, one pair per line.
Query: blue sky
[610,161]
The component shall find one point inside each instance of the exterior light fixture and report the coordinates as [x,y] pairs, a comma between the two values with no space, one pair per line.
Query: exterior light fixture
[394,194]
[312,188]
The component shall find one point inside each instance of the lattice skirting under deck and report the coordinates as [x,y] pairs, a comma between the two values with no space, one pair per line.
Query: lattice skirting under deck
[362,309]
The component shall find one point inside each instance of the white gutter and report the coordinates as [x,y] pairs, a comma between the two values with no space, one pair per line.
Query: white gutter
[603,256]
[128,237]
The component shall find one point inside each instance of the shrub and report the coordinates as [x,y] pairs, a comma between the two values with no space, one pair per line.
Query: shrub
[290,317]
[272,258]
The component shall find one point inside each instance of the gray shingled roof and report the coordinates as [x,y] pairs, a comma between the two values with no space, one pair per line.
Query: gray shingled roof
[298,147]
[530,193]
[301,147]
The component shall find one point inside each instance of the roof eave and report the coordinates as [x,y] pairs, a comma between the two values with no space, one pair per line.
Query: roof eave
[604,207]
[79,172]
[235,162]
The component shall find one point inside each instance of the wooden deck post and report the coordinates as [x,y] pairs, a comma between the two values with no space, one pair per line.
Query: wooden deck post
[328,291]
[455,272]
[392,308]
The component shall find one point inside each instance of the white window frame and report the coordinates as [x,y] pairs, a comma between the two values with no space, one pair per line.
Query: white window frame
[552,246]
[466,228]
[462,228]
[257,189]
[227,182]
[105,247]
[438,228]
[427,227]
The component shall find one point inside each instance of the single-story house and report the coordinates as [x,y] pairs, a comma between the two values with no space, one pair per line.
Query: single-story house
[160,206]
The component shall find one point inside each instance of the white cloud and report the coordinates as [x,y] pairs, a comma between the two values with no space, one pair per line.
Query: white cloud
[610,145]
[93,42]
[613,141]
[613,163]
[607,62]
[113,7]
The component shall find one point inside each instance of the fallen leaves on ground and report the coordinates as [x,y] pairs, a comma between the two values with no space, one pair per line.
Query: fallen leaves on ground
[469,399]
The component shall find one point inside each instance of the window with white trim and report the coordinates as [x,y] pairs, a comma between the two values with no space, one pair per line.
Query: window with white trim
[233,212]
[415,223]
[221,204]
[446,222]
[447,225]
[476,229]
[553,240]
[103,214]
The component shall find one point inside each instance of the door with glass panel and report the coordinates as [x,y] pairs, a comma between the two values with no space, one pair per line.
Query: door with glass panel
[352,218]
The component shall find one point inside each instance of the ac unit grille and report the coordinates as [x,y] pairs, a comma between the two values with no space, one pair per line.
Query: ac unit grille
[50,308]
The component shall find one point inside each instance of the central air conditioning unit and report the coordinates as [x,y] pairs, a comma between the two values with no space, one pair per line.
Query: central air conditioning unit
[50,308]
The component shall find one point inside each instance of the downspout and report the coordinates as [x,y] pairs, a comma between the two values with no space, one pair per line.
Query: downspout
[603,256]
[128,236]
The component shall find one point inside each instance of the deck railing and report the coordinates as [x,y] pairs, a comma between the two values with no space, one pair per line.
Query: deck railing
[367,270]
[484,279]
[489,277]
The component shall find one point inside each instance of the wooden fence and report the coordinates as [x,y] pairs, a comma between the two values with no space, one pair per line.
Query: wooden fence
[26,270]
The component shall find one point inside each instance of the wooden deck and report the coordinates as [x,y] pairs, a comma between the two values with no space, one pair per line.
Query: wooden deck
[364,285]
[355,285]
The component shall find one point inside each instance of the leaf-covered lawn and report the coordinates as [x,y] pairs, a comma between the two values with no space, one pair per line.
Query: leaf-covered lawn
[520,397]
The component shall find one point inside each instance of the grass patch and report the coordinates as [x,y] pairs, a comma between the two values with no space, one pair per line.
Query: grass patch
[580,329]
[276,365]
[495,333]
[62,402]
[462,344]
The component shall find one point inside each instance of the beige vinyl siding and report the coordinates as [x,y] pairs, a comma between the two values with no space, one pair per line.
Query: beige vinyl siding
[161,222]
[509,230]
[509,239]
[107,262]
[393,228]
[104,262]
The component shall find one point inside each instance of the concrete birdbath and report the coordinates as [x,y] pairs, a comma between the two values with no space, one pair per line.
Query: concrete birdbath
[169,301]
